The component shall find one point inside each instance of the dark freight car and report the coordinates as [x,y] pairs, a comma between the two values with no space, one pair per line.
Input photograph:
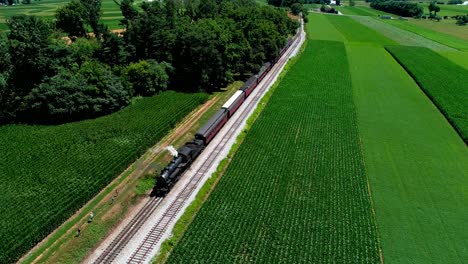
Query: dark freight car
[249,85]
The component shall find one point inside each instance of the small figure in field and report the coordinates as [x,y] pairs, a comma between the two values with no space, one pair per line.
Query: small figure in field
[91,217]
[78,232]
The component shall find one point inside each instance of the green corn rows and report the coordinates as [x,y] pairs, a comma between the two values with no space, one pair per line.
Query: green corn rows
[48,172]
[296,190]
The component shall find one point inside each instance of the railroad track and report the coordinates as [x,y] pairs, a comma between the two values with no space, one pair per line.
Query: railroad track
[157,231]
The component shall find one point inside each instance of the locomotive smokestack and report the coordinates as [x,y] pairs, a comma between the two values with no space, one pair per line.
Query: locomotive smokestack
[173,151]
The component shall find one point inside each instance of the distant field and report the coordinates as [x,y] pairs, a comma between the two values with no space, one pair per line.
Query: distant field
[323,29]
[444,26]
[446,86]
[399,35]
[296,190]
[354,31]
[417,164]
[46,8]
[440,37]
[48,172]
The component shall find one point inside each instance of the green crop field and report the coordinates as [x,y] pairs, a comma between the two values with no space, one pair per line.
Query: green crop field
[399,35]
[111,14]
[446,86]
[461,58]
[354,31]
[301,195]
[323,29]
[417,164]
[48,172]
[437,36]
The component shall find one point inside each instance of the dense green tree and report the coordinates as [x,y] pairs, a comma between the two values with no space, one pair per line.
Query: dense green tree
[70,18]
[67,96]
[113,51]
[202,59]
[29,51]
[434,8]
[148,77]
[296,8]
[151,35]
[83,49]
[93,15]
[129,12]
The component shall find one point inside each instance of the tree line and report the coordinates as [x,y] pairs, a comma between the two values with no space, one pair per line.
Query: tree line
[401,8]
[184,45]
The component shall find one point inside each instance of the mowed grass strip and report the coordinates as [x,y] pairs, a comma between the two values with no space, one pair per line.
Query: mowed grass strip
[437,36]
[354,31]
[48,172]
[417,164]
[296,190]
[403,37]
[322,29]
[442,80]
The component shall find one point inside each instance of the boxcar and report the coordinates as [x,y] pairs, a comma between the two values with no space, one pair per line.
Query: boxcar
[234,102]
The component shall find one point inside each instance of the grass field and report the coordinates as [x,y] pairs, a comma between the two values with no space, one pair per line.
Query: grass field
[48,172]
[417,164]
[354,31]
[401,36]
[300,196]
[446,86]
[323,29]
[448,40]
[111,14]
[458,57]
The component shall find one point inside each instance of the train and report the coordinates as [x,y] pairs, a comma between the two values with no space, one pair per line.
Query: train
[187,154]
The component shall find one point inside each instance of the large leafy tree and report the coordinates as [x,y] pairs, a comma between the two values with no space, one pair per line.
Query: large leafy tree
[71,19]
[93,15]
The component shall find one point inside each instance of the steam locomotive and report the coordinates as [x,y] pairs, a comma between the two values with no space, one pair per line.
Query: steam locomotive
[191,150]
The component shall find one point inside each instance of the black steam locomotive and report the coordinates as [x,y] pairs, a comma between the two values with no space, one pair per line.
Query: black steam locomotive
[191,150]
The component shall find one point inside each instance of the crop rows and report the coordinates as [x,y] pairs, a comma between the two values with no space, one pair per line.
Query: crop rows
[48,172]
[296,190]
[354,31]
[446,86]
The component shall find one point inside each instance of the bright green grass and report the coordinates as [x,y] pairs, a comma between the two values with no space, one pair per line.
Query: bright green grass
[461,58]
[355,32]
[440,37]
[399,35]
[417,164]
[296,190]
[442,80]
[322,29]
[48,172]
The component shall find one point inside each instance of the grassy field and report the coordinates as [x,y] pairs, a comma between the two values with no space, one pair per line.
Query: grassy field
[322,29]
[399,35]
[301,196]
[446,86]
[458,57]
[48,172]
[354,31]
[46,8]
[417,164]
[448,40]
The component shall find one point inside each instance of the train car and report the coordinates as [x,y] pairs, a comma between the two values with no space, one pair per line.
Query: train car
[171,173]
[249,85]
[211,128]
[263,71]
[234,102]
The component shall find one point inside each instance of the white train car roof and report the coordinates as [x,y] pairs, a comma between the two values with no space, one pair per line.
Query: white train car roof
[233,99]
